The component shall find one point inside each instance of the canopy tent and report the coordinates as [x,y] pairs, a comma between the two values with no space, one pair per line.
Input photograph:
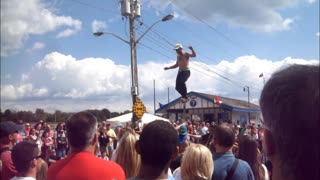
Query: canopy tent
[146,118]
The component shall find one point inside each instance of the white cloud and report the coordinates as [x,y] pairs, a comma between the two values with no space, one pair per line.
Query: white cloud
[60,81]
[261,16]
[24,77]
[311,1]
[38,45]
[21,19]
[98,25]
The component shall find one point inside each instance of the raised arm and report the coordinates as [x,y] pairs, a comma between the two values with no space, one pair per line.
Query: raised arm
[193,54]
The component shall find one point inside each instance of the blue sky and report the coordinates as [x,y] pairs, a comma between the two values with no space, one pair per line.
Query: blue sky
[50,59]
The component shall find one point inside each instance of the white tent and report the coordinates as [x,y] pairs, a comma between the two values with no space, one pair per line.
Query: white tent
[146,118]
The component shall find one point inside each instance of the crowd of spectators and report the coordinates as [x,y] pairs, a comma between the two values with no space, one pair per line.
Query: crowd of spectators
[83,148]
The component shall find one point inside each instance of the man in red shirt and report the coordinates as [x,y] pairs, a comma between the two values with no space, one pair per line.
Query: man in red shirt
[82,164]
[8,137]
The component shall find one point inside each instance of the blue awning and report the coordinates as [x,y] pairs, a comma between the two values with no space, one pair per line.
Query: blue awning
[244,110]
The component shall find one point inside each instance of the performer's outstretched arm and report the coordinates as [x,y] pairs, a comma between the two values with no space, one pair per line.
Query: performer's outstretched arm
[172,67]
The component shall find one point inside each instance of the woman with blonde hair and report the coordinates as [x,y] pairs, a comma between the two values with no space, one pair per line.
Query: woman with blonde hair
[126,156]
[197,164]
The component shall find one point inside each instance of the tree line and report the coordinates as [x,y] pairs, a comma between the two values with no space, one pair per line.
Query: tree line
[57,116]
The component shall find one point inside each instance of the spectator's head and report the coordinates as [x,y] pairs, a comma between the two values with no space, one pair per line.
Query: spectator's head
[290,108]
[38,126]
[108,126]
[103,129]
[44,125]
[45,134]
[212,126]
[224,137]
[124,130]
[126,156]
[27,126]
[81,131]
[32,132]
[248,151]
[158,145]
[197,163]
[48,127]
[59,127]
[8,133]
[25,156]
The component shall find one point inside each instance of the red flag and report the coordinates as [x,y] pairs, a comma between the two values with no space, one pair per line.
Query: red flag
[217,100]
[261,75]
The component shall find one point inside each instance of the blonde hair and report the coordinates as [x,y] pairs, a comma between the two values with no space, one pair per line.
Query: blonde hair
[42,170]
[197,163]
[126,155]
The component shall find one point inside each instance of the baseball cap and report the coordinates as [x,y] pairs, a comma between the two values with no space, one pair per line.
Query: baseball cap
[23,152]
[7,128]
[178,46]
[119,124]
[183,130]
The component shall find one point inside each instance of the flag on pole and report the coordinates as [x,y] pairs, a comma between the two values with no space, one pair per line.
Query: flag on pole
[217,100]
[261,75]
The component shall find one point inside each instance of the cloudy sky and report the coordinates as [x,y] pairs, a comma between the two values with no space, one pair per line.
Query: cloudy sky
[51,60]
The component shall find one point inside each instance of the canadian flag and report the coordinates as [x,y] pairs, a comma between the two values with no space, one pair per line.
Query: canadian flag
[217,100]
[261,75]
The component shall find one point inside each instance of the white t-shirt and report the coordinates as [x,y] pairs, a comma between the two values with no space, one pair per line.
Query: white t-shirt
[22,178]
[177,174]
[266,175]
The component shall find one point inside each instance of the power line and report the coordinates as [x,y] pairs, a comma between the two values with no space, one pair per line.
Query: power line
[208,69]
[154,50]
[95,7]
[226,78]
[162,36]
[150,38]
[212,28]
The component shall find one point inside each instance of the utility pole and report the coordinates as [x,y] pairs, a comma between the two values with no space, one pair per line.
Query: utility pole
[132,9]
[248,90]
[134,67]
[168,103]
[154,96]
[168,96]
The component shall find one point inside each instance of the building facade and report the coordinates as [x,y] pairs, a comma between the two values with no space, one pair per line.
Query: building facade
[211,108]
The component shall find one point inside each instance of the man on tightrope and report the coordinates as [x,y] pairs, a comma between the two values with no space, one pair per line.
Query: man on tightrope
[184,71]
